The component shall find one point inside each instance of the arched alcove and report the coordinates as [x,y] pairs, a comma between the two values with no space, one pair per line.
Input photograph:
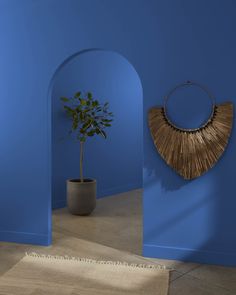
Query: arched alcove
[116,162]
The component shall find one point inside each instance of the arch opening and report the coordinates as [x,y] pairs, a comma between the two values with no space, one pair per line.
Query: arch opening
[116,163]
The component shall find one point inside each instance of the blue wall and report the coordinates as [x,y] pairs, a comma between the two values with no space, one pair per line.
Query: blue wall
[192,220]
[167,42]
[36,37]
[116,162]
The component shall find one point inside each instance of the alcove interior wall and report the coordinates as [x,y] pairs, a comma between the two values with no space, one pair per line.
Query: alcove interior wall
[116,162]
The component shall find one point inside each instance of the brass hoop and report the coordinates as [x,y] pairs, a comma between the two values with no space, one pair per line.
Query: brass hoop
[189,83]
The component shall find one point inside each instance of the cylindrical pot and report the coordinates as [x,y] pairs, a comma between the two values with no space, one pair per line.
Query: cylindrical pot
[81,196]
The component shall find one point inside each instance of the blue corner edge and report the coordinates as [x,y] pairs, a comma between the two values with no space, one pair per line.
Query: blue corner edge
[25,238]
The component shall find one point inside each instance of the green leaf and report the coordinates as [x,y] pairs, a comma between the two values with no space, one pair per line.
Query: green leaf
[78,108]
[87,125]
[75,121]
[107,120]
[83,102]
[77,95]
[103,133]
[82,131]
[70,112]
[86,111]
[82,138]
[74,126]
[89,94]
[91,133]
[81,116]
[68,108]
[65,99]
[95,103]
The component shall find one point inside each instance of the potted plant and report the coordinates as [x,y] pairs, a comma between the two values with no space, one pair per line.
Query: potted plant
[89,117]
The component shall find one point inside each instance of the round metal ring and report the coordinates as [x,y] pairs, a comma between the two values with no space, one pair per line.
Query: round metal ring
[189,83]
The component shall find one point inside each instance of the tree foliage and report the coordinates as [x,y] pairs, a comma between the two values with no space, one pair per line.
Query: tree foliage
[89,117]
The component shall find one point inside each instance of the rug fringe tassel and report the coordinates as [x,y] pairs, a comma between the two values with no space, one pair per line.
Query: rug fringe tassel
[88,260]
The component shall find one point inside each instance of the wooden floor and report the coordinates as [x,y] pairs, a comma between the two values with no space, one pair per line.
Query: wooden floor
[114,232]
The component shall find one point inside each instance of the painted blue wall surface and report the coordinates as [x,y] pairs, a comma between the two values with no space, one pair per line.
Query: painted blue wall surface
[36,37]
[192,220]
[116,163]
[167,42]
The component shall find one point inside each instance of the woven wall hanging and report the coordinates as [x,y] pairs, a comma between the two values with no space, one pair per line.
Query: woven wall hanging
[191,152]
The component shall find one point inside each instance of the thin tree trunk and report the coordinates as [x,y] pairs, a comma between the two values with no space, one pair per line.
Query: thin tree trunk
[81,161]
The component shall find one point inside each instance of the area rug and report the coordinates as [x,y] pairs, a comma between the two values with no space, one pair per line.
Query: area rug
[56,275]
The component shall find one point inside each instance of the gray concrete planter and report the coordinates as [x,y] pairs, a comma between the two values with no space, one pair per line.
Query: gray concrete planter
[81,196]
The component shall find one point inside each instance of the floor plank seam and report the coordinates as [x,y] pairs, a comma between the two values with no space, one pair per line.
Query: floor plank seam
[212,284]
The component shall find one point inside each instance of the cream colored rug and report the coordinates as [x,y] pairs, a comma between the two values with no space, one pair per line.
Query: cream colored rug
[56,275]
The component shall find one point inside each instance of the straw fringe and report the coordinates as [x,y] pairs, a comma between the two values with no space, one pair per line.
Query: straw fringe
[191,152]
[93,261]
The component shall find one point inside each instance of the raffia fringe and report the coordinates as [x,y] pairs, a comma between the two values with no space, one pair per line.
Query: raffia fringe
[79,259]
